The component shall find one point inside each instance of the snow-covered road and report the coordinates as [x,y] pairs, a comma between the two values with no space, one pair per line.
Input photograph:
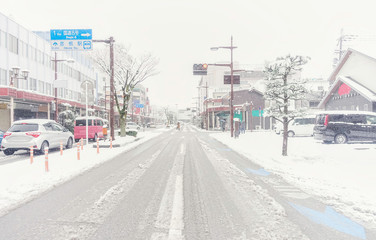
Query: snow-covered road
[177,185]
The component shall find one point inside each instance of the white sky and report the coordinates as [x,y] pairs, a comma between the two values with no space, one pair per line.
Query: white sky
[180,33]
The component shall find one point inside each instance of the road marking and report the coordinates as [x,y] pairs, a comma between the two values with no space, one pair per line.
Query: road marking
[177,223]
[291,192]
[261,172]
[333,220]
[169,223]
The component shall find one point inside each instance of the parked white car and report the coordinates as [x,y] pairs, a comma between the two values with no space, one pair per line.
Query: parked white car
[132,125]
[36,133]
[300,126]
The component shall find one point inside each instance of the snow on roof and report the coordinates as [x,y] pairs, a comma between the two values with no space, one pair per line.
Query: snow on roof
[365,92]
[346,112]
[34,120]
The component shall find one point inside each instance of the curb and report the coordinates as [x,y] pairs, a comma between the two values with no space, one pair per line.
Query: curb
[115,145]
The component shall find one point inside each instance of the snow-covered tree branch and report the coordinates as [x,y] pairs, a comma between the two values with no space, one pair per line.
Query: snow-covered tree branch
[129,71]
[283,85]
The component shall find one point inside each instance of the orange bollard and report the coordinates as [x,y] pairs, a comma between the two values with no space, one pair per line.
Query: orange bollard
[78,151]
[110,142]
[61,149]
[46,159]
[31,154]
[82,144]
[97,145]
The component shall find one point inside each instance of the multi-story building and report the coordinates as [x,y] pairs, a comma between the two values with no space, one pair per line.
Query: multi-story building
[34,97]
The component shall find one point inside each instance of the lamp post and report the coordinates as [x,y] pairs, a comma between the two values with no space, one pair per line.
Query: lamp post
[111,41]
[105,98]
[86,112]
[55,60]
[231,47]
[13,77]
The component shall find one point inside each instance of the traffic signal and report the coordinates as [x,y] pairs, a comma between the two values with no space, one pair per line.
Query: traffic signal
[200,69]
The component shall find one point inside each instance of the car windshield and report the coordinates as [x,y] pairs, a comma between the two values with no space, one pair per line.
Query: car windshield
[24,127]
[82,122]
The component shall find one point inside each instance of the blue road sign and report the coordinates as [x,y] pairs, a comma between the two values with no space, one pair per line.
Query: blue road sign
[139,105]
[71,39]
[71,34]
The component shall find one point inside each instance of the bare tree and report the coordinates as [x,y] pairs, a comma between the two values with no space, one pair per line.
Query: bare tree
[283,85]
[129,71]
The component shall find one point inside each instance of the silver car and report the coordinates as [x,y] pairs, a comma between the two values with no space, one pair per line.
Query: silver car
[132,125]
[36,133]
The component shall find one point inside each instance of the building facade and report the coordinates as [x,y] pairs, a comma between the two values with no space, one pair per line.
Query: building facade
[34,97]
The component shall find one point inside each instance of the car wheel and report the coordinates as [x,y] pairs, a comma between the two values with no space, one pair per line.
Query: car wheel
[340,138]
[290,133]
[43,146]
[8,152]
[69,143]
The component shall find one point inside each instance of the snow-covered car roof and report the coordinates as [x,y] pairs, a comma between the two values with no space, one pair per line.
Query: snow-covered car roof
[34,120]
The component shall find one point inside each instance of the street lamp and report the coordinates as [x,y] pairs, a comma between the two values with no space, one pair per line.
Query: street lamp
[16,73]
[231,47]
[111,41]
[86,106]
[13,77]
[55,60]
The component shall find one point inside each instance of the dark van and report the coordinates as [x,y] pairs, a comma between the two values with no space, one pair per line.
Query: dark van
[345,126]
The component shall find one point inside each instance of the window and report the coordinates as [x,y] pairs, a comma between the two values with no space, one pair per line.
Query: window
[82,122]
[48,88]
[48,126]
[371,119]
[57,127]
[356,119]
[3,39]
[13,44]
[41,86]
[33,84]
[23,127]
[3,77]
[337,118]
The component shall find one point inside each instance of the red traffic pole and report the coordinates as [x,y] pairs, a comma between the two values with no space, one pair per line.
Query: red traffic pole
[31,154]
[78,151]
[97,145]
[61,149]
[46,159]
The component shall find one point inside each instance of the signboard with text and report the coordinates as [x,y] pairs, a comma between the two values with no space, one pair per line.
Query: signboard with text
[71,39]
[227,79]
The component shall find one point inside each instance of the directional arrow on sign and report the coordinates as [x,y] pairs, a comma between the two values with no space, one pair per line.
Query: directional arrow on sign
[333,220]
[85,34]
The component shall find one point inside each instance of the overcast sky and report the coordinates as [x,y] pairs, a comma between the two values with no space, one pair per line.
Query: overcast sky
[180,33]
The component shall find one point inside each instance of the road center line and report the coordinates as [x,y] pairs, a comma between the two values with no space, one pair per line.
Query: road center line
[169,223]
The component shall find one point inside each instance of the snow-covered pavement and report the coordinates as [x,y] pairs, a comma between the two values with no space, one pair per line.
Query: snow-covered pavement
[342,176]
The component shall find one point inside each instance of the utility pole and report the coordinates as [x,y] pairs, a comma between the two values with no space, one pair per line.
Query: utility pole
[231,65]
[111,41]
[207,110]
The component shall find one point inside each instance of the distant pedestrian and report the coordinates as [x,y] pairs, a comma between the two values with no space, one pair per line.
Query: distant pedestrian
[242,127]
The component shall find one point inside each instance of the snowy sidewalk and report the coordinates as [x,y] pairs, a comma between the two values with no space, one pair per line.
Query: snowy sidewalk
[22,180]
[342,176]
